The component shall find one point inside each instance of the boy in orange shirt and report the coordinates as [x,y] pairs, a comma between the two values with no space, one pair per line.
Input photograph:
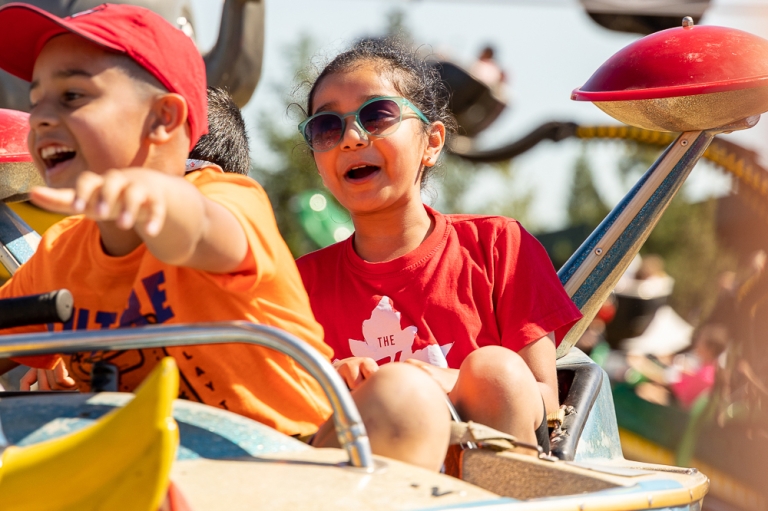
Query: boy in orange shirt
[118,98]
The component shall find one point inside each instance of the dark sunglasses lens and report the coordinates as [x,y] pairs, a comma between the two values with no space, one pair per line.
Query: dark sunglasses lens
[323,132]
[380,117]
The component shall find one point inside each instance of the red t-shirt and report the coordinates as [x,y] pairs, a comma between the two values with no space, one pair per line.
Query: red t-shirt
[475,281]
[691,386]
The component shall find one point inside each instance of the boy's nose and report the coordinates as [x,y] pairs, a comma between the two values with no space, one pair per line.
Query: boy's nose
[354,137]
[42,116]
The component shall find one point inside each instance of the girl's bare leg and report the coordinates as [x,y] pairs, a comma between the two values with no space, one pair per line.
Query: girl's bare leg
[496,388]
[405,414]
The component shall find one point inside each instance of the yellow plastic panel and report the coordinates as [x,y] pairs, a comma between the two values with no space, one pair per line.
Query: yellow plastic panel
[121,462]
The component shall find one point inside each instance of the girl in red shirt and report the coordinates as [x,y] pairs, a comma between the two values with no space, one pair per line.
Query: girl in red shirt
[470,303]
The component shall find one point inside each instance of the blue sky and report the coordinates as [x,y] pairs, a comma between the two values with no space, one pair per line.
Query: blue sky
[548,47]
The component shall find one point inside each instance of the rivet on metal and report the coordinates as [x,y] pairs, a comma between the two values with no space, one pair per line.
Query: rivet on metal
[599,251]
[687,22]
[684,142]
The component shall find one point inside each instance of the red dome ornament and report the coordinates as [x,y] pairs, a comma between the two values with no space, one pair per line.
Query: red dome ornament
[683,79]
[14,127]
[17,172]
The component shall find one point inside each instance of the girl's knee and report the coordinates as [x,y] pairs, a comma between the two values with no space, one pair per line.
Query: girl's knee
[405,413]
[496,365]
[402,391]
[496,388]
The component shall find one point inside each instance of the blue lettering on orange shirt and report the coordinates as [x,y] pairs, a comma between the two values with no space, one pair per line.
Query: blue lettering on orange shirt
[157,296]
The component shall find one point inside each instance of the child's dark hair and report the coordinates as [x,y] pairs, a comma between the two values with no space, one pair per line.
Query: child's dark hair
[226,143]
[413,77]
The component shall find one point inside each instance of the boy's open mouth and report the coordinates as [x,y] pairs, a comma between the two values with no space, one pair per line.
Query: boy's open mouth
[361,172]
[55,155]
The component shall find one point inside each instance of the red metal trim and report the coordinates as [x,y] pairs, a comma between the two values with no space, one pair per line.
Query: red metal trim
[176,500]
[669,92]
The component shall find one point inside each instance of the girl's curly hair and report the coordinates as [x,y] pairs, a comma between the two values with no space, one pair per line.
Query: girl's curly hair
[413,77]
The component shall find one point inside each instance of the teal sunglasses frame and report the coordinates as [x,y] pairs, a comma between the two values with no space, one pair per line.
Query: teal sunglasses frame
[401,102]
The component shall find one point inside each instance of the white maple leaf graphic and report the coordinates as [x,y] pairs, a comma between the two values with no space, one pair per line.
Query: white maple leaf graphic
[385,339]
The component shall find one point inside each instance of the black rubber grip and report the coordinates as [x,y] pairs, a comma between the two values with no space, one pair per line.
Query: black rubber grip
[53,307]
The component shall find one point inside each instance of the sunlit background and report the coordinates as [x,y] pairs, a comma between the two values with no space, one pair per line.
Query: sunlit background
[703,251]
[547,48]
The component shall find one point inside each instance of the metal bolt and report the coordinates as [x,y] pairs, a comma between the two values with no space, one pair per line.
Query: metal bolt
[687,22]
[684,142]
[599,251]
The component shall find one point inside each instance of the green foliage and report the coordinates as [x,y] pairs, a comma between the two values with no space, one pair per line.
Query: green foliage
[293,170]
[585,207]
[294,173]
[453,186]
[685,236]
[397,26]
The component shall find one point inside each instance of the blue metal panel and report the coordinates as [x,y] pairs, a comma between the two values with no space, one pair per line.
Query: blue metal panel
[19,239]
[600,438]
[205,432]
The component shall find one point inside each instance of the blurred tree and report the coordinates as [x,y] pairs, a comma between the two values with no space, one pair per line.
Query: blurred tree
[453,189]
[686,237]
[293,170]
[585,207]
[397,26]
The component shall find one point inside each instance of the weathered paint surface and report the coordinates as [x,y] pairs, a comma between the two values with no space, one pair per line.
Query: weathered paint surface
[600,438]
[205,432]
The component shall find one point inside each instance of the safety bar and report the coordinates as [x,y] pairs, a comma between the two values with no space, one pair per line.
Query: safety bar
[349,426]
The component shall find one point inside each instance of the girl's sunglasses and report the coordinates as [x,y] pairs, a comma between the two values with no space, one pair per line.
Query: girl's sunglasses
[378,117]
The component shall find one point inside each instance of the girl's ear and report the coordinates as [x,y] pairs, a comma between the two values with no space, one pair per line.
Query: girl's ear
[435,143]
[167,116]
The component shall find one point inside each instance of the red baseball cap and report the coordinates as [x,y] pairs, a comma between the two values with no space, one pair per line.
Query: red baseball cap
[163,50]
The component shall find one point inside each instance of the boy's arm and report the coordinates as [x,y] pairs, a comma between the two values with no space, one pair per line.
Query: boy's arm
[179,225]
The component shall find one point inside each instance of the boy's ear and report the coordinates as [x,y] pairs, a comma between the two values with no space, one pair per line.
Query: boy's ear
[435,143]
[168,115]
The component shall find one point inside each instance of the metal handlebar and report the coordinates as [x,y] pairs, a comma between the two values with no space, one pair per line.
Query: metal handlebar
[349,426]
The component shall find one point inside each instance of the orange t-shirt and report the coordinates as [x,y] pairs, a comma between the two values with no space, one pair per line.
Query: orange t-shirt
[138,289]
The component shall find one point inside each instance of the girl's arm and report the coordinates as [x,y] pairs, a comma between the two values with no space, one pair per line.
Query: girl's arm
[540,357]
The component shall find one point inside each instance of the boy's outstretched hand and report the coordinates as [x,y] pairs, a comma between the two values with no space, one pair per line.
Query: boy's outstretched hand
[132,198]
[178,224]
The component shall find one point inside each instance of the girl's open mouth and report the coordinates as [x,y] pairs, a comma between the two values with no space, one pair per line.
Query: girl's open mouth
[361,172]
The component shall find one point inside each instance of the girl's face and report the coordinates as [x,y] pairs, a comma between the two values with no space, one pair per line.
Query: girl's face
[371,174]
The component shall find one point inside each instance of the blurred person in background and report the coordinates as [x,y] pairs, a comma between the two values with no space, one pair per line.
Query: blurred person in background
[488,71]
